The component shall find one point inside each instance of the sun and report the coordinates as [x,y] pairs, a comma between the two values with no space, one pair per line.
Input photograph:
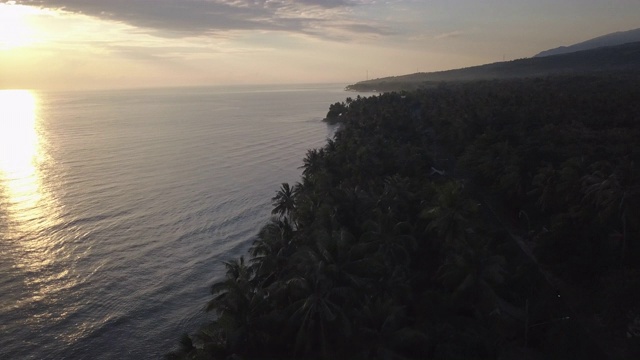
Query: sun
[15,30]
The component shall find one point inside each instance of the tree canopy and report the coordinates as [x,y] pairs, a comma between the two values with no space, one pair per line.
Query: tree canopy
[467,221]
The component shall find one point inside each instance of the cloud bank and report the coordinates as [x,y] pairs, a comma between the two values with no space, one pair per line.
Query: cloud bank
[181,18]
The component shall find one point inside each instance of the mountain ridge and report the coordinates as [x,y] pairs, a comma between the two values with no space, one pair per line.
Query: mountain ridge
[612,39]
[618,58]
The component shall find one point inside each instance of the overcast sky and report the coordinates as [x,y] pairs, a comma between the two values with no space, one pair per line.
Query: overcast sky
[81,44]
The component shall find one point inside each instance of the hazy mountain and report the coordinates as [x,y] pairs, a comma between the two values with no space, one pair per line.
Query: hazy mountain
[606,59]
[617,38]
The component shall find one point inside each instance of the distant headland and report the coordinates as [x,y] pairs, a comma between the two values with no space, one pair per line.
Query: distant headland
[619,58]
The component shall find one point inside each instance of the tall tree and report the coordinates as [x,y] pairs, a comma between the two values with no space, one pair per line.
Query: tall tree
[284,201]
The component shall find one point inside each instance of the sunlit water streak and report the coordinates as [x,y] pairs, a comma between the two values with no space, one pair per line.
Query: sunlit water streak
[116,208]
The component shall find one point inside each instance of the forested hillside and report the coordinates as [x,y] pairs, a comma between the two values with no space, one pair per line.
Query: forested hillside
[602,60]
[484,220]
[613,39]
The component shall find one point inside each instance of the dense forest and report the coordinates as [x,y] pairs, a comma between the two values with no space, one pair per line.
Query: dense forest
[480,220]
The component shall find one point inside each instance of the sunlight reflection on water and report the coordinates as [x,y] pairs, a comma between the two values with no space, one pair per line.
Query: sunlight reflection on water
[20,155]
[117,208]
[25,203]
[19,148]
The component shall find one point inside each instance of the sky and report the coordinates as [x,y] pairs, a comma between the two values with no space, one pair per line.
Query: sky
[105,44]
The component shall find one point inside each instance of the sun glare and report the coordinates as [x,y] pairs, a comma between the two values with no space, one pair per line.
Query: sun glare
[15,30]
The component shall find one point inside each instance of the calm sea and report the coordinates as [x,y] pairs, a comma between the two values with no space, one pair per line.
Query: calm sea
[118,207]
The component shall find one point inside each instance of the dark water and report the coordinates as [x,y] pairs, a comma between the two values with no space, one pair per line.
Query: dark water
[117,208]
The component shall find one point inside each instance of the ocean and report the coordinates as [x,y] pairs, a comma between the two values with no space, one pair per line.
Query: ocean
[117,208]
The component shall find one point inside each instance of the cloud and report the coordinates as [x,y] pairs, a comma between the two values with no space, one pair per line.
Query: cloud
[182,18]
[449,35]
[366,28]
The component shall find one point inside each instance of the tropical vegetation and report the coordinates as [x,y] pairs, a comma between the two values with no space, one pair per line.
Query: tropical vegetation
[484,220]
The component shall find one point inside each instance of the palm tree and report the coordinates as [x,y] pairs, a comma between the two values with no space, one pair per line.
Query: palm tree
[545,184]
[313,161]
[284,201]
[238,304]
[270,251]
[385,330]
[472,274]
[396,196]
[613,195]
[317,313]
[451,216]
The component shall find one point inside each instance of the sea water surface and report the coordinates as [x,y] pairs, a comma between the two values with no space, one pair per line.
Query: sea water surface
[117,208]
